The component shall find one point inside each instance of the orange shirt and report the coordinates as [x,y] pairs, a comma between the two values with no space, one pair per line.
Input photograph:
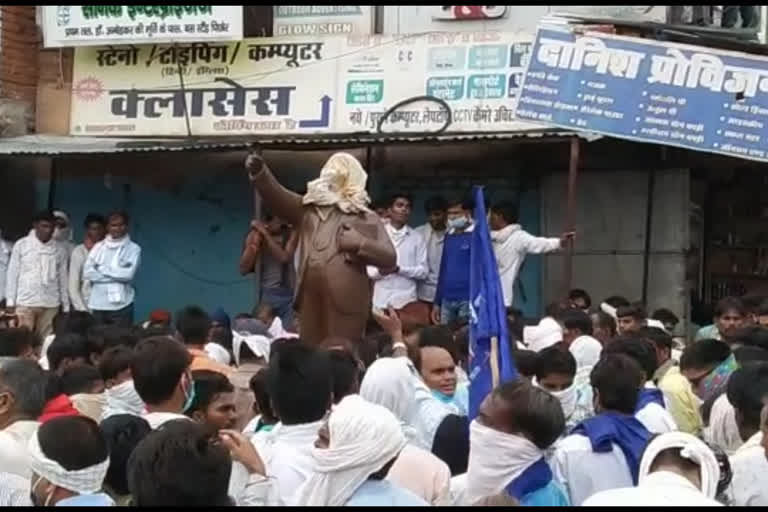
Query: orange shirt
[201,361]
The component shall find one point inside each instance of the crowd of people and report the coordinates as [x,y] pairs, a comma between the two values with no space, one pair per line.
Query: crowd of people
[200,408]
[45,272]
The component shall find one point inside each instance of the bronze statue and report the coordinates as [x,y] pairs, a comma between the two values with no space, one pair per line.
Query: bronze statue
[338,237]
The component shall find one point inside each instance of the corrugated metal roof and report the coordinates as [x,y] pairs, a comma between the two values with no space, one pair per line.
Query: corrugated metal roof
[49,145]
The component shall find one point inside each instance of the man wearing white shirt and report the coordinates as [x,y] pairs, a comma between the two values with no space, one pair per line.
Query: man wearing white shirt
[5,258]
[577,336]
[163,379]
[396,287]
[677,469]
[36,284]
[79,288]
[299,387]
[511,244]
[651,409]
[748,391]
[110,267]
[433,233]
[22,397]
[604,452]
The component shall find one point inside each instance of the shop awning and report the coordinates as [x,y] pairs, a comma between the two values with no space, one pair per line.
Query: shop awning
[53,145]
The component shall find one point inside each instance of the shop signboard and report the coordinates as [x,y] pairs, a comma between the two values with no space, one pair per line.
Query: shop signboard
[650,91]
[322,20]
[89,25]
[301,85]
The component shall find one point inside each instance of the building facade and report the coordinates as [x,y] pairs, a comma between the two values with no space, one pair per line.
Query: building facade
[177,167]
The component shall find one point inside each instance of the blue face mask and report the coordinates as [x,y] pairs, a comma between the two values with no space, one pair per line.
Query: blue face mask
[189,395]
[446,399]
[458,223]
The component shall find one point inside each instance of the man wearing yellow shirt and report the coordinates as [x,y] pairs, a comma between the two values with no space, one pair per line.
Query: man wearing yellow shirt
[681,402]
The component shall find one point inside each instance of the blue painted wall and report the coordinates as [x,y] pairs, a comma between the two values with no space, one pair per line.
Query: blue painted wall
[531,272]
[190,236]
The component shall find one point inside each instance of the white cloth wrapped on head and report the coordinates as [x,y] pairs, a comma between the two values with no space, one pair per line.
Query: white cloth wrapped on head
[259,345]
[542,336]
[341,184]
[81,481]
[66,234]
[389,382]
[364,437]
[608,310]
[691,448]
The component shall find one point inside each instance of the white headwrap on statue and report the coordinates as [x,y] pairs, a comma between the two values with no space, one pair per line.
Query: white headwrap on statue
[82,481]
[341,184]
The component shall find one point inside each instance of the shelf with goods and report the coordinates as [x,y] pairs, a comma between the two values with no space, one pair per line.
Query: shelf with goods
[737,242]
[737,269]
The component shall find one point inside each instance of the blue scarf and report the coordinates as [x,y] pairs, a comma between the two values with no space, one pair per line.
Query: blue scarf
[220,316]
[649,395]
[535,477]
[610,427]
[442,397]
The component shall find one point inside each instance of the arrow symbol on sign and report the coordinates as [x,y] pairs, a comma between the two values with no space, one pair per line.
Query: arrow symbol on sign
[325,115]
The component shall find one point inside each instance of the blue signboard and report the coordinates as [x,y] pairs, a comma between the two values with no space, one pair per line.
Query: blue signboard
[649,91]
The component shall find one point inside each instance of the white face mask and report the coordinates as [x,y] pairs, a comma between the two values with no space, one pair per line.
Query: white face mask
[495,459]
[458,223]
[568,397]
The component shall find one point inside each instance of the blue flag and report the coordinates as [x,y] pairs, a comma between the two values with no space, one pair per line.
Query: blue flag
[488,316]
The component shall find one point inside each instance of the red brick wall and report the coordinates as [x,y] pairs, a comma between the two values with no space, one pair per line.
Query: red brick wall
[20,39]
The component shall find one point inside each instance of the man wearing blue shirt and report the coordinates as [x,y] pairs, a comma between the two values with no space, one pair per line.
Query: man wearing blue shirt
[451,303]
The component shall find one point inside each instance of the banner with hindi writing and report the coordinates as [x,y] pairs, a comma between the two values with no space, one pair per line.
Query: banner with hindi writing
[295,85]
[675,94]
[89,25]
[322,20]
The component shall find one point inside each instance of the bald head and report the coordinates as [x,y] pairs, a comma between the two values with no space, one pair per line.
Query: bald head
[438,370]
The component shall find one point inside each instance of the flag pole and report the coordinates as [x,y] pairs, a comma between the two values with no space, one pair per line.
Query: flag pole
[494,361]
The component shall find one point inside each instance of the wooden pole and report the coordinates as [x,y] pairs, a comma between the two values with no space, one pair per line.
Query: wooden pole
[494,361]
[570,216]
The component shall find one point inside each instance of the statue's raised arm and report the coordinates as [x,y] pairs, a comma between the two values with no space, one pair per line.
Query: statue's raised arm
[338,237]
